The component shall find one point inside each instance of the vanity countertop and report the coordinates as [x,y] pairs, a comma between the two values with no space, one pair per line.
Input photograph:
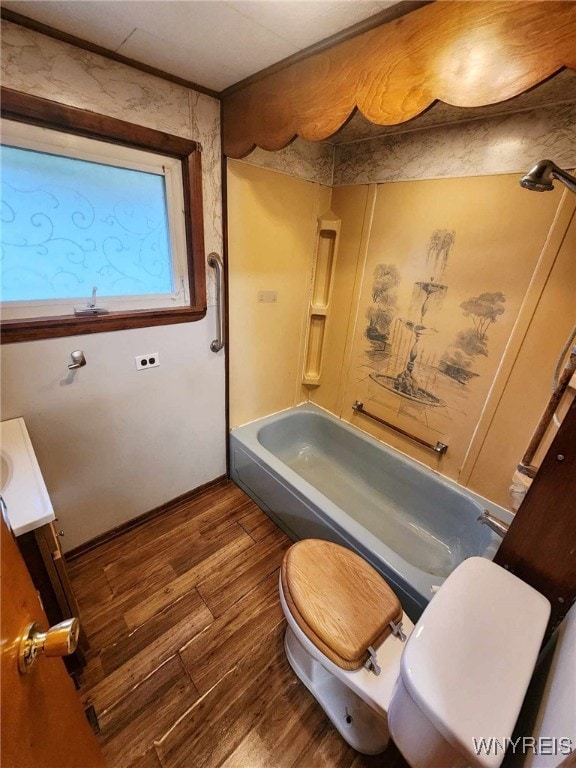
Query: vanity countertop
[21,483]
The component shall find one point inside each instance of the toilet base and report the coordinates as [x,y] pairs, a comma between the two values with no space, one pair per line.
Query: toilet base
[359,725]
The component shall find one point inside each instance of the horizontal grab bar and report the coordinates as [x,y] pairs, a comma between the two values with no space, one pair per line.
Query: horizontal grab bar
[439,447]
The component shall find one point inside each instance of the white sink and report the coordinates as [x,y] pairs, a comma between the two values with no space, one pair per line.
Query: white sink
[21,483]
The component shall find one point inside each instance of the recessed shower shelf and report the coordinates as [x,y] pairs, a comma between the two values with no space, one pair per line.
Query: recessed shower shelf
[325,254]
[322,280]
[316,328]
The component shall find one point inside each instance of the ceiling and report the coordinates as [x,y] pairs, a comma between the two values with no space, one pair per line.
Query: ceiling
[214,43]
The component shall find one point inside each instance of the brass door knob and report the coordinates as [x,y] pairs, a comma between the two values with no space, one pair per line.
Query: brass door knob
[59,640]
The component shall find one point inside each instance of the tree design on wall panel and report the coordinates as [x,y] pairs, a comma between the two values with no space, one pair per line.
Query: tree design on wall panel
[471,342]
[382,312]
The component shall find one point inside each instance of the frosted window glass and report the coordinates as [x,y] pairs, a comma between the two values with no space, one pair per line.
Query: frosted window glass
[69,225]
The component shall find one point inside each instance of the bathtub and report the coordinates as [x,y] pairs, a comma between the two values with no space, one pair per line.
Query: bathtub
[318,477]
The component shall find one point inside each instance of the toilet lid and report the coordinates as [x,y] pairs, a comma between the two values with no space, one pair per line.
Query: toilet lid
[338,600]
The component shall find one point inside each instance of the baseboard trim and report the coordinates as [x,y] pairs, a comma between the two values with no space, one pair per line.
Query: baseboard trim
[136,522]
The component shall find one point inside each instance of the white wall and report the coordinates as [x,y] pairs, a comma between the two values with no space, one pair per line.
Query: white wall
[113,442]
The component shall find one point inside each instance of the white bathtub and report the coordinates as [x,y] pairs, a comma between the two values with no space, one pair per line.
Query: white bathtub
[317,476]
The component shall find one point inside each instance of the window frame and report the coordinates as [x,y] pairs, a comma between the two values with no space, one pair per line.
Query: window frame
[34,110]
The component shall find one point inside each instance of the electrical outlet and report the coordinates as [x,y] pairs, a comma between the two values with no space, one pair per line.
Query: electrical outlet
[151,360]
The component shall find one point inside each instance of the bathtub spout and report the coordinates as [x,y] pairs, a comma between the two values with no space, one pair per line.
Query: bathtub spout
[498,526]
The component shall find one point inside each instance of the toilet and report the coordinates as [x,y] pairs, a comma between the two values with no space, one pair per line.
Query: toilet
[436,688]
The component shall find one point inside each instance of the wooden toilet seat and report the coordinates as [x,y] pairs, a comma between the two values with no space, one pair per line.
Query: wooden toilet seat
[338,600]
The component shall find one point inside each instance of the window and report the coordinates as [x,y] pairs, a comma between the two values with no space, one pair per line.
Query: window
[79,217]
[101,223]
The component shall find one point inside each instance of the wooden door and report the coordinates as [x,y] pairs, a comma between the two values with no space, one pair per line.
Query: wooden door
[43,723]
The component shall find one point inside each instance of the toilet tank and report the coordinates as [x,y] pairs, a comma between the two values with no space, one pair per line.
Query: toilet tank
[546,728]
[466,668]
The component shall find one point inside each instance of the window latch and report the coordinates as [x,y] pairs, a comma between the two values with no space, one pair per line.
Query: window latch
[91,308]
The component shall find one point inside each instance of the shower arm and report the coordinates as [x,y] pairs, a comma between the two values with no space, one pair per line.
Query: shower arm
[566,178]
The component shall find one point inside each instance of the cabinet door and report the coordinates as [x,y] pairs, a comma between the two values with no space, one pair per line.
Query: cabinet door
[51,552]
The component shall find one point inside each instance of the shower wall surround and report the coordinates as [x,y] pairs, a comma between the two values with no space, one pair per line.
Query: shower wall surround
[453,277]
[272,225]
[444,280]
[437,309]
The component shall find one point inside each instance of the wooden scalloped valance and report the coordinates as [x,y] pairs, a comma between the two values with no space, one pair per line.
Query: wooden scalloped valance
[467,54]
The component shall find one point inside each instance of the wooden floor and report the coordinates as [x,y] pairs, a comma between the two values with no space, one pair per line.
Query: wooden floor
[186,667]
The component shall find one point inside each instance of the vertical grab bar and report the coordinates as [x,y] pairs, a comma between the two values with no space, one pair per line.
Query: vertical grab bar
[525,466]
[215,261]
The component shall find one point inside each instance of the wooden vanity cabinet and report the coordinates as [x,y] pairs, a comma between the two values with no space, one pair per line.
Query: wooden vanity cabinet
[43,556]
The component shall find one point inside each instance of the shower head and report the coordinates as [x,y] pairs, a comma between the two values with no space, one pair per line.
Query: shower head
[540,178]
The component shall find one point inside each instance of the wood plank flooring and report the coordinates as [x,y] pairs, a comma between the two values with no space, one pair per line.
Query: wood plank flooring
[186,667]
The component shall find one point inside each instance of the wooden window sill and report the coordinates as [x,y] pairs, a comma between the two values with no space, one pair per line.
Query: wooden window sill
[33,329]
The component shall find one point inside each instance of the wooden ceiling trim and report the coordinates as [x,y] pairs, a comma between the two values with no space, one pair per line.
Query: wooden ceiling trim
[389,14]
[463,53]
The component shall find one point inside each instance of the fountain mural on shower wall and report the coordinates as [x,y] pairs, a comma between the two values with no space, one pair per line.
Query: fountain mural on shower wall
[406,335]
[402,359]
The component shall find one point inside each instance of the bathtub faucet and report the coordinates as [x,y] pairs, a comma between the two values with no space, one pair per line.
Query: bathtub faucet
[498,526]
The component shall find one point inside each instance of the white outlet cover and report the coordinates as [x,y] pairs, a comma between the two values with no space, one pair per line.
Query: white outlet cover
[151,360]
